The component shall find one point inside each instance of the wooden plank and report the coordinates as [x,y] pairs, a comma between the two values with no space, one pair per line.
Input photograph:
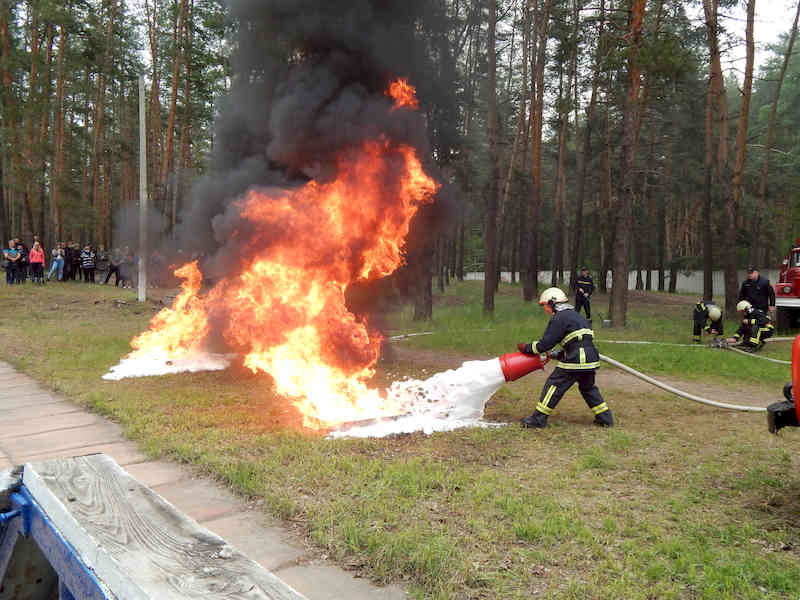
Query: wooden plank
[136,542]
[10,480]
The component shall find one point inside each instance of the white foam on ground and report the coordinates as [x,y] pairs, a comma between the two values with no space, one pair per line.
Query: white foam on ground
[157,363]
[449,400]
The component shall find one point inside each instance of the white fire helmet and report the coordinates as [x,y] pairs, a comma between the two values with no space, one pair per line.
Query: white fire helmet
[714,313]
[552,296]
[743,305]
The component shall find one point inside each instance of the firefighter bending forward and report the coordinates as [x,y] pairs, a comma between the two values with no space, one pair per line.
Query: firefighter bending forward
[756,327]
[578,360]
[708,318]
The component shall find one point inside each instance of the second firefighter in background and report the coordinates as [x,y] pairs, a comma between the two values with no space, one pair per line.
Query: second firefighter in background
[708,318]
[584,288]
[756,327]
[578,361]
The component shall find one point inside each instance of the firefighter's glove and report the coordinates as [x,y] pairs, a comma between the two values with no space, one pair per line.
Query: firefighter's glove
[525,348]
[556,354]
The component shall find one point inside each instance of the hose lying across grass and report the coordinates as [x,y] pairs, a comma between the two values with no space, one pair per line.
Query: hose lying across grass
[676,391]
[655,382]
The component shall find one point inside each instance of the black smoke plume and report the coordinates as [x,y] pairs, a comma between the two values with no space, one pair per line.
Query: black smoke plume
[309,83]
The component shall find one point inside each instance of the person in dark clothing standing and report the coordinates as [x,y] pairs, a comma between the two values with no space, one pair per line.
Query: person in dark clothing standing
[708,318]
[88,263]
[24,261]
[114,262]
[584,287]
[755,329]
[758,291]
[77,268]
[68,272]
[578,361]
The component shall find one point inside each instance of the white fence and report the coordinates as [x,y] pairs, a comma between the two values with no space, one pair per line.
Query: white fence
[689,282]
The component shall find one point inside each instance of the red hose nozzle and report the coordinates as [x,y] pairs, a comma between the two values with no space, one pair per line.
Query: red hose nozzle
[517,364]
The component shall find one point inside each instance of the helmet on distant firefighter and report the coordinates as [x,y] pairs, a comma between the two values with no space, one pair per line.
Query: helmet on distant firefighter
[714,313]
[552,296]
[743,305]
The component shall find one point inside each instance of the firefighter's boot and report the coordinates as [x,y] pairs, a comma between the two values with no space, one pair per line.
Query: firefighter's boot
[604,419]
[537,420]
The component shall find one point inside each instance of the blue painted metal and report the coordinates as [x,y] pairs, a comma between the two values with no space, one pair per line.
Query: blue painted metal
[76,580]
[63,592]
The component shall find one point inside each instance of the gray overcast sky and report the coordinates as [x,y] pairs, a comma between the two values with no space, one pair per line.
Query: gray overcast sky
[773,17]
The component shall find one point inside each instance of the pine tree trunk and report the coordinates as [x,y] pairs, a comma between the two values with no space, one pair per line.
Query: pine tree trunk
[619,291]
[59,118]
[530,283]
[735,202]
[490,225]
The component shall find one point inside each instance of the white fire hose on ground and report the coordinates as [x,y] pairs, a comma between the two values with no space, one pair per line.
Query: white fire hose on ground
[678,392]
[660,384]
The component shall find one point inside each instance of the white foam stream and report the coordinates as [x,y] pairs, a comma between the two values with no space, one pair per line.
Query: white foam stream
[157,363]
[448,400]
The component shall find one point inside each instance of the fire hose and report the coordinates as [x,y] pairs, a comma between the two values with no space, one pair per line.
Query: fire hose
[676,391]
[540,364]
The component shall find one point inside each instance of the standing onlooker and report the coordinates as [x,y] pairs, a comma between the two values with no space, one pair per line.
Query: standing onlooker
[23,262]
[37,263]
[57,261]
[126,268]
[88,263]
[114,262]
[68,272]
[11,254]
[758,291]
[77,269]
[101,262]
[584,288]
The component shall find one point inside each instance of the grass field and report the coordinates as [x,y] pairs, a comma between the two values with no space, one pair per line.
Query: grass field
[678,501]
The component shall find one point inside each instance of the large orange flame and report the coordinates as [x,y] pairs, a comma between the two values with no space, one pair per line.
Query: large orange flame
[180,330]
[404,94]
[285,310]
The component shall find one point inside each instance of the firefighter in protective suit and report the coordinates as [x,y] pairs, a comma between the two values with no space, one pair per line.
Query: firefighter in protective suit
[578,360]
[708,318]
[756,327]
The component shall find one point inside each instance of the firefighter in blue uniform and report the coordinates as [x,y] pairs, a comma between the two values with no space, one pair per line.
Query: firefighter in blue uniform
[755,329]
[708,318]
[578,360]
[584,287]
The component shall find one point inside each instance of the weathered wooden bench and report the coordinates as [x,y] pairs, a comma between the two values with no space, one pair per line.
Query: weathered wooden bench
[83,528]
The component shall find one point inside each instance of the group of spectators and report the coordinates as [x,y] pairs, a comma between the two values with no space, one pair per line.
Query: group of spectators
[68,262]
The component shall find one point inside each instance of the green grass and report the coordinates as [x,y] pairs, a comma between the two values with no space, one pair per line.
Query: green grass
[678,501]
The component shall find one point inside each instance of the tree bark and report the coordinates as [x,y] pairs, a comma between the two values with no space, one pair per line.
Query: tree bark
[173,103]
[621,260]
[490,225]
[530,283]
[735,202]
[59,118]
[98,126]
[578,241]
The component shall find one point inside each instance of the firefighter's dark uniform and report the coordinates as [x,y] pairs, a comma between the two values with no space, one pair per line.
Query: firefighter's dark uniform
[704,322]
[756,327]
[584,287]
[578,362]
[759,293]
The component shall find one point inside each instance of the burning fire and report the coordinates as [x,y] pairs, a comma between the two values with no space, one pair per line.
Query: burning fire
[404,94]
[285,309]
[180,330]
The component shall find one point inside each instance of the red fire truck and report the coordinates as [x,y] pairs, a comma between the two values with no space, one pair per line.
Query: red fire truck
[787,290]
